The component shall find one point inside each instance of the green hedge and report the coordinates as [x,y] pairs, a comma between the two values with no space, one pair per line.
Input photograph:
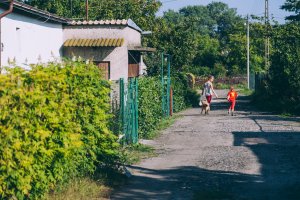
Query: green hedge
[53,125]
[150,105]
[184,96]
[150,101]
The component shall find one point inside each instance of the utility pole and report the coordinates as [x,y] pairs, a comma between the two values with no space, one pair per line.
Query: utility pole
[87,10]
[248,51]
[267,37]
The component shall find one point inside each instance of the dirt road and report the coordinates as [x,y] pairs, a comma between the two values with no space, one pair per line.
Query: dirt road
[252,155]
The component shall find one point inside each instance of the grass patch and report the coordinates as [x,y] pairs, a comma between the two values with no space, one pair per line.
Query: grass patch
[246,91]
[135,153]
[287,115]
[81,189]
[98,186]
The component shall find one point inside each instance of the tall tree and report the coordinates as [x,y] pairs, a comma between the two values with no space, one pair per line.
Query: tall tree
[292,6]
[142,11]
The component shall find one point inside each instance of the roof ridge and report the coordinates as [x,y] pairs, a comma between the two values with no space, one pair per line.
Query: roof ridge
[128,22]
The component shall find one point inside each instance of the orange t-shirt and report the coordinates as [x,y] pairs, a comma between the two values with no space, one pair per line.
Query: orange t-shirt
[232,95]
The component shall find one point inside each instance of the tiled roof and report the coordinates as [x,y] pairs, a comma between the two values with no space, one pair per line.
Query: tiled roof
[122,22]
[101,22]
[101,42]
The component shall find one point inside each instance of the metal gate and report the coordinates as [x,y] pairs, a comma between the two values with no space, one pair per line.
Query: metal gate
[129,110]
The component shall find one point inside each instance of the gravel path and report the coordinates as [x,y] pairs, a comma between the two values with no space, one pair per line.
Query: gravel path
[252,155]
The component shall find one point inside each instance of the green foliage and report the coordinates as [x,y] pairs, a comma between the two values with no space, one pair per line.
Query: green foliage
[150,101]
[284,71]
[150,105]
[183,95]
[199,37]
[53,125]
[292,6]
[219,70]
[142,11]
[280,89]
[198,71]
[179,86]
[208,52]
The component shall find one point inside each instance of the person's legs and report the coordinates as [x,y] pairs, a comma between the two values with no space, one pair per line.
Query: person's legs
[232,107]
[208,98]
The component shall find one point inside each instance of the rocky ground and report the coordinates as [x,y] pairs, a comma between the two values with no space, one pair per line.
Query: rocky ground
[252,155]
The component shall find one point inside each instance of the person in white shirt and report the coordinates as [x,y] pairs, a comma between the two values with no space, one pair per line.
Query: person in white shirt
[208,89]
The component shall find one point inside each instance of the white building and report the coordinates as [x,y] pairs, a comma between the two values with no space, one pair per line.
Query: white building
[30,36]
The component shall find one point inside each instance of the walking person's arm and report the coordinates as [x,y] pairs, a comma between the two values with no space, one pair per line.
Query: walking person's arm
[212,88]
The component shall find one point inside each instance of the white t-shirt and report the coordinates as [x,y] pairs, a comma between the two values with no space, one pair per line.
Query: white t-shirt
[208,88]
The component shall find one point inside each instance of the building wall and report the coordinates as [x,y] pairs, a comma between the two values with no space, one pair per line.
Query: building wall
[27,40]
[131,36]
[118,58]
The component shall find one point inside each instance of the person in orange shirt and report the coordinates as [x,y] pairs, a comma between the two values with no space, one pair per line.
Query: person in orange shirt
[231,97]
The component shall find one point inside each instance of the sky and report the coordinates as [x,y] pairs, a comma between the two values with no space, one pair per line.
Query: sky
[244,7]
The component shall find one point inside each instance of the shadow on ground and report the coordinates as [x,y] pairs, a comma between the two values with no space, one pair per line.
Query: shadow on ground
[278,153]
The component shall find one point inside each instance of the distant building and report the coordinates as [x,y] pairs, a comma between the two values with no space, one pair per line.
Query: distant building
[30,36]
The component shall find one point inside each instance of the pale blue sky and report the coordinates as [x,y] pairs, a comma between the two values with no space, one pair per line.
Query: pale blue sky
[243,6]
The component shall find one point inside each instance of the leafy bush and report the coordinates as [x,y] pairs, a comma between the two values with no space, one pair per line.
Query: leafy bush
[184,96]
[53,125]
[150,105]
[281,87]
[180,87]
[150,101]
[219,70]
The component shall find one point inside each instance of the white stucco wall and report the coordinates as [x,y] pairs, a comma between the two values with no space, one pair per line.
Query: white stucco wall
[131,36]
[28,40]
[118,58]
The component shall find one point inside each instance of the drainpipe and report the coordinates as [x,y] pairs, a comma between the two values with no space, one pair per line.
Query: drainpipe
[11,6]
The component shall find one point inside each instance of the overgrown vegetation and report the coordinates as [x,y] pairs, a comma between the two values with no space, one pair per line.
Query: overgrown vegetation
[150,101]
[279,90]
[54,126]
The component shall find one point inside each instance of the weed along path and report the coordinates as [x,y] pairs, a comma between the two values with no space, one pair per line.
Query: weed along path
[252,155]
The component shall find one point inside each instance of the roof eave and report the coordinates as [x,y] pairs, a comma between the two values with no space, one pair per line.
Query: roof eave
[35,11]
[134,26]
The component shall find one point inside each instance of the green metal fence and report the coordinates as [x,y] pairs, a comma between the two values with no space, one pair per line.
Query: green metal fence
[167,102]
[129,110]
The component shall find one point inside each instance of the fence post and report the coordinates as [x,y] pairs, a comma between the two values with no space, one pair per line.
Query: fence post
[163,83]
[137,109]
